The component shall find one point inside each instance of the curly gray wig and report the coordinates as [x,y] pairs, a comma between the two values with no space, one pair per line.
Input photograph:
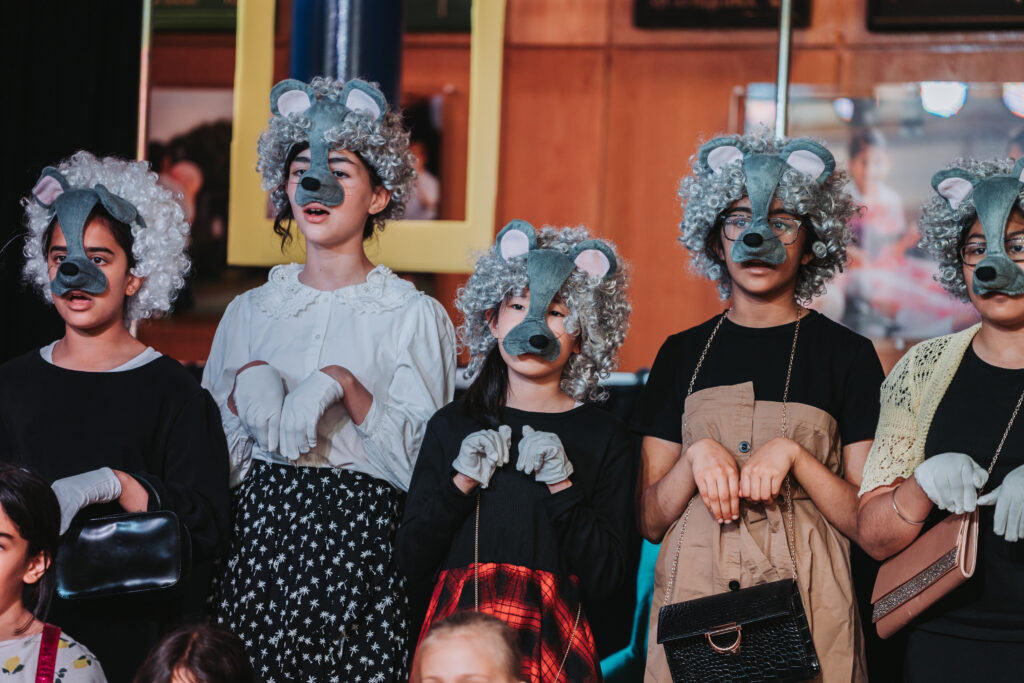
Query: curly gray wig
[159,248]
[598,311]
[942,226]
[383,145]
[829,208]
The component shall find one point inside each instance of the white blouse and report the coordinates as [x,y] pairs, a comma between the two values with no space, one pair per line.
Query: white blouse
[398,342]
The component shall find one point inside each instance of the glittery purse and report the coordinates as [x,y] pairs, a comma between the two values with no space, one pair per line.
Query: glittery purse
[939,560]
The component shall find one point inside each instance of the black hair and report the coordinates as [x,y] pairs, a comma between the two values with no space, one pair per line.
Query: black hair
[31,505]
[864,138]
[206,652]
[484,400]
[283,219]
[122,232]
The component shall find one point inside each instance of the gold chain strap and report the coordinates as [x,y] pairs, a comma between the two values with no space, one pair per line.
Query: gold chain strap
[789,493]
[1002,441]
[476,590]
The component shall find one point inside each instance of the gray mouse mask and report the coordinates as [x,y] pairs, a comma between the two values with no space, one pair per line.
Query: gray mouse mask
[72,207]
[994,198]
[319,184]
[762,172]
[547,270]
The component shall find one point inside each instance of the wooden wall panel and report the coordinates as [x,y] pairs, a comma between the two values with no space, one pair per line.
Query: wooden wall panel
[552,136]
[558,22]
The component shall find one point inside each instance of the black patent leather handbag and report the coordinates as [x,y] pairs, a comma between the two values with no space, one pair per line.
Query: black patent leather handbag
[135,552]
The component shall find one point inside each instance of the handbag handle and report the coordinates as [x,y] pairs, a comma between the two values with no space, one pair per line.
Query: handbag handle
[788,494]
[46,664]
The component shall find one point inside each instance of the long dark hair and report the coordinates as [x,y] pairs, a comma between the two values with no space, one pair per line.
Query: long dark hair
[484,400]
[31,505]
[206,652]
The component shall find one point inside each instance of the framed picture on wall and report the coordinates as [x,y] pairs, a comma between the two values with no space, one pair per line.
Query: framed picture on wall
[677,14]
[891,143]
[949,15]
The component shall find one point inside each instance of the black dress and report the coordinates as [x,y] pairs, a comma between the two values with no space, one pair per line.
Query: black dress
[154,421]
[977,631]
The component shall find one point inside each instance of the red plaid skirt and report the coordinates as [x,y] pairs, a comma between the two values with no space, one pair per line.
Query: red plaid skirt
[537,605]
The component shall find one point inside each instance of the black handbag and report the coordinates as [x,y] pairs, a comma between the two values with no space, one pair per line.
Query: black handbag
[757,634]
[754,634]
[126,553]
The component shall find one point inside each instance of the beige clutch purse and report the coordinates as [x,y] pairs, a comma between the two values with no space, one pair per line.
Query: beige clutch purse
[929,568]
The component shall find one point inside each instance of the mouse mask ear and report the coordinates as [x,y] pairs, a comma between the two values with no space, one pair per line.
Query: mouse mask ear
[954,185]
[362,97]
[51,184]
[809,158]
[119,208]
[715,155]
[290,97]
[516,239]
[594,258]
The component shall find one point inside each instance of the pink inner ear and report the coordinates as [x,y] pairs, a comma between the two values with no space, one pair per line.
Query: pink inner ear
[514,243]
[955,191]
[808,163]
[593,262]
[293,102]
[719,157]
[358,100]
[47,190]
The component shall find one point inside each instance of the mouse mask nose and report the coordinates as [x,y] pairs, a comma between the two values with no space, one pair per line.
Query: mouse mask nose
[753,240]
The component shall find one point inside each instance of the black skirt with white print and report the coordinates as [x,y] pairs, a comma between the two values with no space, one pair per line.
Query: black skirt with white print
[310,586]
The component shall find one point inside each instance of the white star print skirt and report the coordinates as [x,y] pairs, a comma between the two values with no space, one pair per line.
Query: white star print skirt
[310,585]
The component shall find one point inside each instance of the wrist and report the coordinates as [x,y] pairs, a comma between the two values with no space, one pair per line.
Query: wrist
[560,486]
[340,375]
[464,483]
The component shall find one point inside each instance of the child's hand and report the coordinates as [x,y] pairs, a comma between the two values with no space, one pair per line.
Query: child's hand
[483,452]
[81,490]
[302,410]
[542,454]
[258,397]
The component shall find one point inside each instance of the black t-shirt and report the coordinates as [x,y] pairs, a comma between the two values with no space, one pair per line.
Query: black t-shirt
[154,421]
[971,419]
[835,370]
[583,530]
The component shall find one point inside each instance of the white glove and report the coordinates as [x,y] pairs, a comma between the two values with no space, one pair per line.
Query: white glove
[82,490]
[302,410]
[483,452]
[259,395]
[542,454]
[1008,498]
[951,481]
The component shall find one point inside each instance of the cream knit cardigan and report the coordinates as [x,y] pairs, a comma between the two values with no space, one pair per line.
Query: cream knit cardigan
[910,396]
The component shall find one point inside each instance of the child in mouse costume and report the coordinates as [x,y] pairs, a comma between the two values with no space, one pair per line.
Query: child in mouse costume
[114,425]
[765,403]
[950,436]
[326,377]
[520,505]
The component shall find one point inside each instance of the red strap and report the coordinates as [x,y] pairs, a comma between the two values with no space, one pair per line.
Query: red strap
[47,663]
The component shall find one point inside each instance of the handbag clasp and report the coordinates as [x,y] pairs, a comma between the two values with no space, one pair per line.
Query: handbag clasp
[732,627]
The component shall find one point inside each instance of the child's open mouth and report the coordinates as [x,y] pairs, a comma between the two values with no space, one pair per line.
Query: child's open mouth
[314,211]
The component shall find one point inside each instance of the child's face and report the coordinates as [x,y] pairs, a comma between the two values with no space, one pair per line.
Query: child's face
[93,312]
[16,567]
[332,226]
[1001,309]
[869,168]
[759,279]
[460,657]
[530,366]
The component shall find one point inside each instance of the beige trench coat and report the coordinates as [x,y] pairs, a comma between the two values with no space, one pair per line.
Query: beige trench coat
[754,549]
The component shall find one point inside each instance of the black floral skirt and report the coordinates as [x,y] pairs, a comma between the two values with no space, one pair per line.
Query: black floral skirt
[310,585]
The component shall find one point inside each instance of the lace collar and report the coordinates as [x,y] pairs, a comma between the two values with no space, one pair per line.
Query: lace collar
[284,296]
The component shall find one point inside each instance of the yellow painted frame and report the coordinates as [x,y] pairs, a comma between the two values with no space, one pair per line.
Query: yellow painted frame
[413,246]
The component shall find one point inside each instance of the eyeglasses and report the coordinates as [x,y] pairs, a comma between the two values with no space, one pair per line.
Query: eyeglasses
[974,251]
[784,228]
